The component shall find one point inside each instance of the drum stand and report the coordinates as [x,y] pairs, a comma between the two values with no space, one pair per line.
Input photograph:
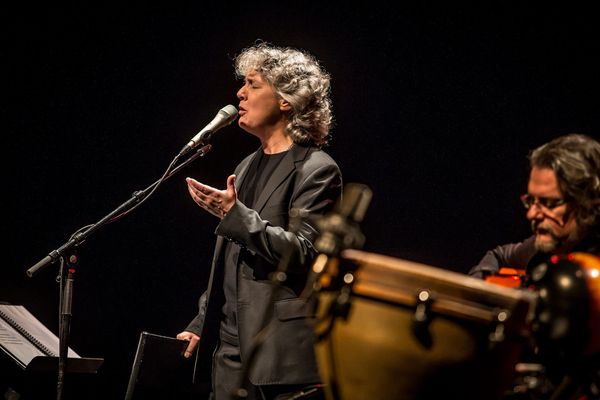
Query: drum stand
[530,383]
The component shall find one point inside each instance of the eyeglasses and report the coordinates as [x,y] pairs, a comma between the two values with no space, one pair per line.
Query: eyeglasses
[541,202]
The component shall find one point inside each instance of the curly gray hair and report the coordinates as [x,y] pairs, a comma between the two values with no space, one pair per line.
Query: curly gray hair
[575,159]
[296,77]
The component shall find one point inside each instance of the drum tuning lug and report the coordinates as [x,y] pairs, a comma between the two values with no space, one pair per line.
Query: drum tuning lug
[497,334]
[341,306]
[422,318]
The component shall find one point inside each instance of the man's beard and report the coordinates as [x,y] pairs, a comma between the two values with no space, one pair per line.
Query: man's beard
[551,242]
[546,246]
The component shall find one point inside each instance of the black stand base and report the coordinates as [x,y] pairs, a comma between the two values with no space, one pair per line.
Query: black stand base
[38,380]
[74,365]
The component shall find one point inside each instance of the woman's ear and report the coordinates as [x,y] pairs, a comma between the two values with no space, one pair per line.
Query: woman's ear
[284,105]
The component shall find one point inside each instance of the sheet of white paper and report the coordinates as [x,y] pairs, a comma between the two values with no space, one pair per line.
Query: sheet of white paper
[22,346]
[16,345]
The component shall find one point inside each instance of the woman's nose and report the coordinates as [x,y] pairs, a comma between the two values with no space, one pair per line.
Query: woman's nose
[241,93]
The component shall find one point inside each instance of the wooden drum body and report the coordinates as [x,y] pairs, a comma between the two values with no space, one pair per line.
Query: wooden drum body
[396,329]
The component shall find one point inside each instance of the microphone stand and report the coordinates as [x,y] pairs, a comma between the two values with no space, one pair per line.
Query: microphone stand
[69,248]
[66,297]
[339,230]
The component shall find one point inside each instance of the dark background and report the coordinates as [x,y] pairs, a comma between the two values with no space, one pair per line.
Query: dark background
[436,110]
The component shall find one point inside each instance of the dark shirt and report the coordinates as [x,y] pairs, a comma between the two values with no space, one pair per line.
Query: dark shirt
[523,255]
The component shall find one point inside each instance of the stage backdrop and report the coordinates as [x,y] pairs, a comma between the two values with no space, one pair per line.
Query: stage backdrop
[435,110]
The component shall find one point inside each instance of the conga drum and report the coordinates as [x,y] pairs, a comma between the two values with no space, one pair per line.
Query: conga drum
[394,329]
[566,327]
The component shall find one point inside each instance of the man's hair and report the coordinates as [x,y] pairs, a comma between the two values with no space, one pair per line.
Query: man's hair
[575,159]
[296,77]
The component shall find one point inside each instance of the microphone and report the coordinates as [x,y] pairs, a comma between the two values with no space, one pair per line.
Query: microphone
[224,117]
[340,228]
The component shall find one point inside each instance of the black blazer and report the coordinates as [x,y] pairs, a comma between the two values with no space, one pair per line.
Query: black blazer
[306,179]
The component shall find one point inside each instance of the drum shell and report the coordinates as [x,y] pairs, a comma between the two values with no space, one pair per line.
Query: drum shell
[590,266]
[567,320]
